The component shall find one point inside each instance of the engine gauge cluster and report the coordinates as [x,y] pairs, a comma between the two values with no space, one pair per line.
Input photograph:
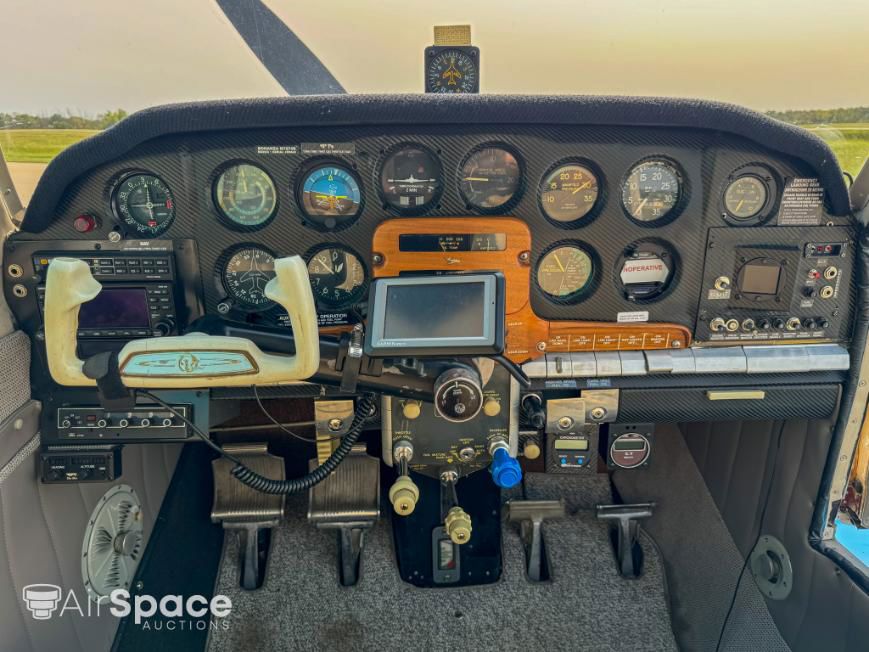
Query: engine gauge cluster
[566,272]
[569,192]
[652,191]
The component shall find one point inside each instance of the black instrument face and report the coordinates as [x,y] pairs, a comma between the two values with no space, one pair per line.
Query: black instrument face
[568,193]
[452,71]
[245,195]
[337,277]
[411,178]
[745,197]
[144,203]
[490,178]
[246,274]
[651,191]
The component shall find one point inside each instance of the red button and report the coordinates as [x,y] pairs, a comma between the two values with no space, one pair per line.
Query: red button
[84,223]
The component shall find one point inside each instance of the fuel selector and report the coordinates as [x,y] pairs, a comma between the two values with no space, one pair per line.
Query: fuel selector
[458,394]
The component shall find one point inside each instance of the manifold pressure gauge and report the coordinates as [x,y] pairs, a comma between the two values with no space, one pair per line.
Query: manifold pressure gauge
[452,64]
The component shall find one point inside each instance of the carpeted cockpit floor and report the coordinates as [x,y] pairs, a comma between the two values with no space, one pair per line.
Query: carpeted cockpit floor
[586,605]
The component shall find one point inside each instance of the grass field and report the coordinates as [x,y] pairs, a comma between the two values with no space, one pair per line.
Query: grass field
[850,142]
[38,145]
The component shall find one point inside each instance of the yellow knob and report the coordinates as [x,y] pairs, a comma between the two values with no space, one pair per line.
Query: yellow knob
[403,495]
[531,450]
[458,525]
[492,407]
[411,409]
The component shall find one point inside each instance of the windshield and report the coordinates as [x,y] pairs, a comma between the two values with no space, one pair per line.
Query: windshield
[72,68]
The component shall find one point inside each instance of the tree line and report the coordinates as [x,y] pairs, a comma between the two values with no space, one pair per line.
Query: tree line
[107,119]
[60,121]
[823,116]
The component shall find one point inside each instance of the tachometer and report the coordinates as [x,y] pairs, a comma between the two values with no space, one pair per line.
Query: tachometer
[144,203]
[245,275]
[565,272]
[337,276]
[410,178]
[745,197]
[652,190]
[569,193]
[245,195]
[330,196]
[489,178]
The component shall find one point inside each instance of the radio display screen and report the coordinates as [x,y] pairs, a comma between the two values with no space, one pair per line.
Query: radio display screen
[116,308]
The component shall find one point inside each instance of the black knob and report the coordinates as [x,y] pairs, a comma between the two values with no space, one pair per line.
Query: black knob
[810,292]
[809,323]
[823,323]
[535,413]
[163,328]
[778,323]
[763,324]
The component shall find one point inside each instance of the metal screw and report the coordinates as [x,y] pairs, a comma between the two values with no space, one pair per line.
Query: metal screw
[335,424]
[565,422]
[598,413]
[524,257]
[676,344]
[377,259]
[114,236]
[223,307]
[541,346]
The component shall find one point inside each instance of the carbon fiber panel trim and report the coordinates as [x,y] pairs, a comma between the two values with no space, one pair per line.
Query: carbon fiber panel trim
[693,404]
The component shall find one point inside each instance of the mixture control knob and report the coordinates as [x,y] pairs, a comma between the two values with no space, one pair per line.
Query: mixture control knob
[458,525]
[411,409]
[458,396]
[506,471]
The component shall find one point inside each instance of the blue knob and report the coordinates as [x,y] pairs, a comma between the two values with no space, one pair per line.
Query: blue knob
[506,471]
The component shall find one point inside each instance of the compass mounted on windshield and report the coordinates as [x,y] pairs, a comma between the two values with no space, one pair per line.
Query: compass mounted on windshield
[452,64]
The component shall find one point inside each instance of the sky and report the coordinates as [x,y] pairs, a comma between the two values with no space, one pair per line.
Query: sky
[88,56]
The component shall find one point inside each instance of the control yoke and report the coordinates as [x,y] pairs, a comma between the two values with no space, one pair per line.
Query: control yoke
[195,360]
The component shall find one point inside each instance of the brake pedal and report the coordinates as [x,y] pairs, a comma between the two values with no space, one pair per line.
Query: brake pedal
[253,514]
[348,501]
[625,535]
[530,515]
